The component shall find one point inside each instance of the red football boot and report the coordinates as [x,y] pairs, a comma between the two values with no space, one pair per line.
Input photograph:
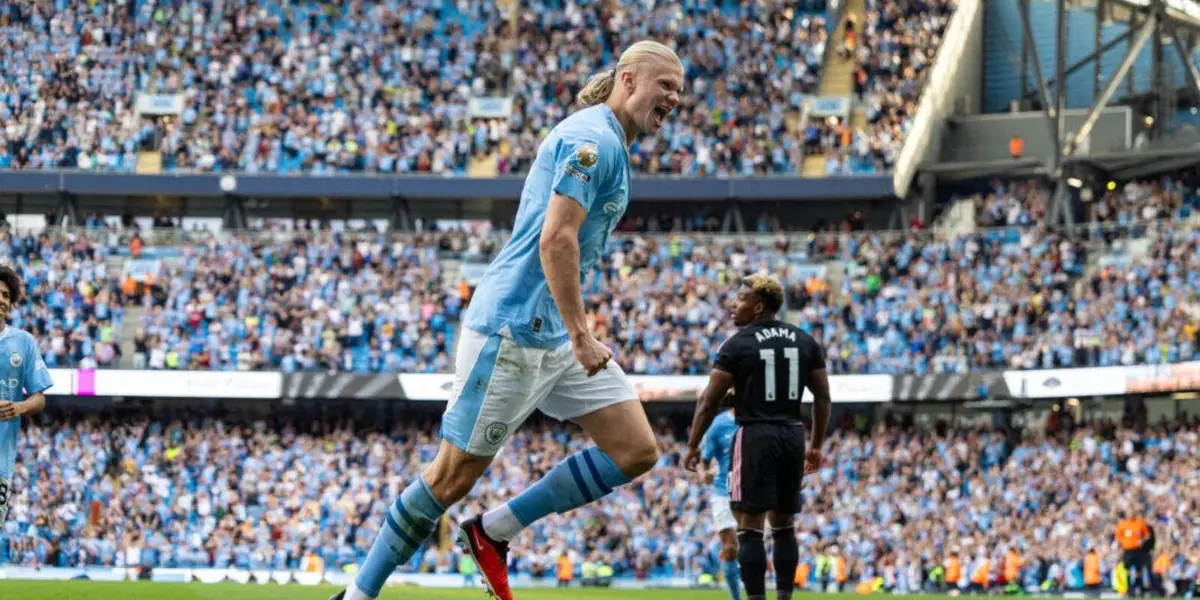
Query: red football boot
[490,556]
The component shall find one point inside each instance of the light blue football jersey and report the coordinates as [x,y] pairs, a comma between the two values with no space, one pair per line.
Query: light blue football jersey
[718,444]
[585,158]
[24,374]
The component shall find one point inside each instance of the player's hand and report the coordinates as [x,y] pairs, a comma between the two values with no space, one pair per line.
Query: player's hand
[9,410]
[692,459]
[593,355]
[812,461]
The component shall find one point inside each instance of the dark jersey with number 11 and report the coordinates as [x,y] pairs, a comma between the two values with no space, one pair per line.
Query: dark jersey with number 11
[770,363]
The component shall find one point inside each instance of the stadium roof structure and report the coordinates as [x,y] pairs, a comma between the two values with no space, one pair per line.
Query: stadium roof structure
[1180,12]
[1139,164]
[1174,25]
[1107,165]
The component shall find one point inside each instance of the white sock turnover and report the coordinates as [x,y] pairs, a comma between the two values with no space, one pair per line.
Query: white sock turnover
[353,593]
[501,524]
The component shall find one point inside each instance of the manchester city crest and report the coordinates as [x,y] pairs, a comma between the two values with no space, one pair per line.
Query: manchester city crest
[495,433]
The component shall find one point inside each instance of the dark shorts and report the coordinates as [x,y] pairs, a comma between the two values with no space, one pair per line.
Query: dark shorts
[6,496]
[1136,559]
[767,469]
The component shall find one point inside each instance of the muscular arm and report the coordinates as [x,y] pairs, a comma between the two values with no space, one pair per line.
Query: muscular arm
[559,252]
[32,405]
[719,383]
[819,385]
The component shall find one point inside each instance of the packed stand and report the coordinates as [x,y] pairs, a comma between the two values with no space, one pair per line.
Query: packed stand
[1144,311]
[747,66]
[381,303]
[890,505]
[908,303]
[1012,203]
[1130,208]
[74,301]
[941,304]
[1011,508]
[1139,204]
[385,87]
[662,303]
[899,43]
[324,302]
[200,492]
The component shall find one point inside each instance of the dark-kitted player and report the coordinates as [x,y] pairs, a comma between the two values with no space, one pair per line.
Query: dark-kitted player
[768,364]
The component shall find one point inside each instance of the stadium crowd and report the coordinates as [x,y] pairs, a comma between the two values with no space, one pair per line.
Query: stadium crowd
[387,87]
[1017,296]
[73,304]
[892,502]
[892,54]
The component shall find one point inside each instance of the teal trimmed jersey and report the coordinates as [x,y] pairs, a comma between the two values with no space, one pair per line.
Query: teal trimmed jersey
[584,158]
[718,444]
[24,374]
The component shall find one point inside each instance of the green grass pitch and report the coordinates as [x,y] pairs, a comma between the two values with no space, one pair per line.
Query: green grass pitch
[86,590]
[89,590]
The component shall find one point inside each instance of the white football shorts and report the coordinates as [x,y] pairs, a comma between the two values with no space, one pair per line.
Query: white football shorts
[722,513]
[498,384]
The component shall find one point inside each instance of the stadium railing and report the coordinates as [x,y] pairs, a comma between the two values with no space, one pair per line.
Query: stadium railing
[426,187]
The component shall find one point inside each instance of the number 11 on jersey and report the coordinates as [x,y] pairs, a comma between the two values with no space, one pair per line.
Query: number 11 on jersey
[792,355]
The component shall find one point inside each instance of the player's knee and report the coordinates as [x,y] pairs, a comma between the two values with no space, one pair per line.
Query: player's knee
[729,552]
[637,457]
[453,473]
[781,522]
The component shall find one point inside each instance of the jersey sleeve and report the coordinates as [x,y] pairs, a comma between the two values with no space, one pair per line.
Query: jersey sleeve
[727,356]
[580,169]
[818,354]
[34,373]
[708,448]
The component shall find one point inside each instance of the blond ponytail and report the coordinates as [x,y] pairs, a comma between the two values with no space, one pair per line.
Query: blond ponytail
[601,85]
[598,88]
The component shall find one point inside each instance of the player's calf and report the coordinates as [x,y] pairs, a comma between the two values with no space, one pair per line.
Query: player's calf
[785,559]
[414,516]
[752,558]
[729,551]
[729,563]
[625,448]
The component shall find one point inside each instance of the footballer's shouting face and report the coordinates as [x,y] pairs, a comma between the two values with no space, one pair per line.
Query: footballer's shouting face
[655,94]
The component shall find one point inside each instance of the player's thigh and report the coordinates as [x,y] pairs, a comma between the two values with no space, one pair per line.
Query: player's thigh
[496,386]
[574,394]
[790,474]
[752,476]
[722,515]
[606,406]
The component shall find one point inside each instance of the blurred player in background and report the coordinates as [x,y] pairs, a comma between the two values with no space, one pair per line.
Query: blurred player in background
[527,344]
[767,364]
[25,379]
[718,446]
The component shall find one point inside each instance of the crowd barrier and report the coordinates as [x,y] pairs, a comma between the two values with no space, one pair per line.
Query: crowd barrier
[435,387]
